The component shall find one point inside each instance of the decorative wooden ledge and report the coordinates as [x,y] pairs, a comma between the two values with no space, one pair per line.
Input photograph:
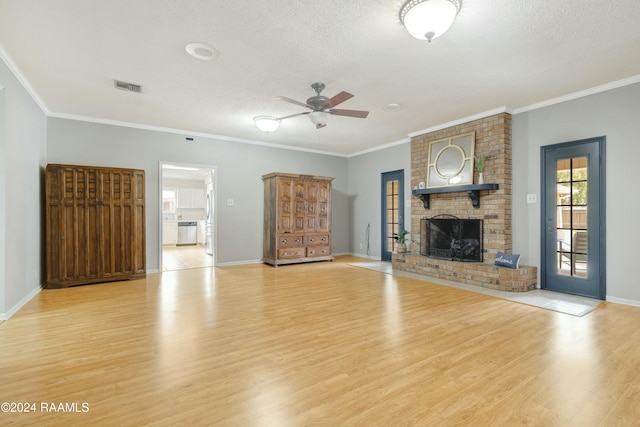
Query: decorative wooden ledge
[472,190]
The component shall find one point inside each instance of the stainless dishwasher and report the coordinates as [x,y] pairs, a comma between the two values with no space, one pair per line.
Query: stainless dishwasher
[187,233]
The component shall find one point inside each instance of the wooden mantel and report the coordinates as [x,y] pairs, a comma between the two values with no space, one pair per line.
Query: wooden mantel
[472,190]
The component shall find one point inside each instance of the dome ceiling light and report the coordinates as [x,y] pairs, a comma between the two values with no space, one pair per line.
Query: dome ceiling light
[267,124]
[428,19]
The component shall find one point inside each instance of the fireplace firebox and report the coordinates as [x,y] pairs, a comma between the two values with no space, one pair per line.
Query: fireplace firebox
[451,238]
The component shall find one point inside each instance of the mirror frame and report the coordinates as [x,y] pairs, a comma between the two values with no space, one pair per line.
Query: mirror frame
[437,175]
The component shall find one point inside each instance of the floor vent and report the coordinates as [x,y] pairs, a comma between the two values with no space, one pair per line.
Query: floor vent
[127,86]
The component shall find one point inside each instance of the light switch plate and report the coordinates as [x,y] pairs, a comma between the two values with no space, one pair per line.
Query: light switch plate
[230,202]
[532,198]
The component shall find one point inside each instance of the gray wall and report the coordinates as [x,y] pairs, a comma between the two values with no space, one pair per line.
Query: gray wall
[239,168]
[364,195]
[22,159]
[616,115]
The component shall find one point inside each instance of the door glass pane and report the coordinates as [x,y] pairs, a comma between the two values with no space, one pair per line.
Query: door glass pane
[392,214]
[579,193]
[571,219]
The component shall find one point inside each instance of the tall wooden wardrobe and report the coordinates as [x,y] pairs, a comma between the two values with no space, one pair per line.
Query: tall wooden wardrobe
[95,225]
[297,218]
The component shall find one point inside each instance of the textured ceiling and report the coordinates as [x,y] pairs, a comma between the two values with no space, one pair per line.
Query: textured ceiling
[497,53]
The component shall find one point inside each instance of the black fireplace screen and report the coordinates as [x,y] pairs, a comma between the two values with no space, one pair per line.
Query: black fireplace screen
[451,238]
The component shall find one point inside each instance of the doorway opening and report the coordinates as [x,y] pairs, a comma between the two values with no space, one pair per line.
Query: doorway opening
[187,216]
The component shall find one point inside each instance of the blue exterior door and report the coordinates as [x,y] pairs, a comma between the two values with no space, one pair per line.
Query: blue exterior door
[573,215]
[392,196]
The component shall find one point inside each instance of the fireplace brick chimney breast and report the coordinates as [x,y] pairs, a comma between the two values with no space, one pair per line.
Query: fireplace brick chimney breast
[493,143]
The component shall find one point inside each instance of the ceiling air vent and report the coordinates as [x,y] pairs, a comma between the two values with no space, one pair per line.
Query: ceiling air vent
[127,86]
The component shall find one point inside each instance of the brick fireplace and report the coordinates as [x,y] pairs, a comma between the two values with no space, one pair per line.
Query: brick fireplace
[493,143]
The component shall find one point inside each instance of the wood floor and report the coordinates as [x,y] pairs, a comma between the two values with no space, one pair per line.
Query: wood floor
[320,344]
[185,257]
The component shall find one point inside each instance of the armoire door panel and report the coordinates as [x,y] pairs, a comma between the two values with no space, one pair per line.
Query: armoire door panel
[298,224]
[69,247]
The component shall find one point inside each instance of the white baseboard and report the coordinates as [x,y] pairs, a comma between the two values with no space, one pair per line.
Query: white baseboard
[248,261]
[624,301]
[13,310]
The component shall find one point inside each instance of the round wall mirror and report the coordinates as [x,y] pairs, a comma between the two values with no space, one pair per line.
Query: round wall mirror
[449,161]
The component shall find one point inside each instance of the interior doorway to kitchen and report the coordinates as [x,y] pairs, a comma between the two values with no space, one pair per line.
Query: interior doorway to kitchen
[187,216]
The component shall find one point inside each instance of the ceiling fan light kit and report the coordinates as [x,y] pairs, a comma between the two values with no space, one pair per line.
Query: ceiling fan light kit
[319,119]
[428,19]
[267,124]
[321,107]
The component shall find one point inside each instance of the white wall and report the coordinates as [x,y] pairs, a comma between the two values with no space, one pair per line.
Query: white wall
[23,143]
[239,168]
[616,115]
[365,183]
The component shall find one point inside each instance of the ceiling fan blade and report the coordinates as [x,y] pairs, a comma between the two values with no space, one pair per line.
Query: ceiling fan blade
[349,113]
[293,101]
[338,99]
[294,115]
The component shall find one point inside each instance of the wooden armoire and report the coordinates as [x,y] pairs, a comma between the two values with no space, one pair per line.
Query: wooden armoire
[95,225]
[297,218]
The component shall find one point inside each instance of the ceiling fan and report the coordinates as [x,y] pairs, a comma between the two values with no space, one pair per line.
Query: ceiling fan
[321,106]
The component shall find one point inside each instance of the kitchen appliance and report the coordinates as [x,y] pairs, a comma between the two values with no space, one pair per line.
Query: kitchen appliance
[187,233]
[208,238]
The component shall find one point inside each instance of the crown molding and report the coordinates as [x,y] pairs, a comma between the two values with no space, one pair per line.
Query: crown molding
[579,94]
[461,121]
[187,133]
[6,58]
[381,147]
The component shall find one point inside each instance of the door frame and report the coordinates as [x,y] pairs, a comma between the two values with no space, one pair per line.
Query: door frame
[601,211]
[383,205]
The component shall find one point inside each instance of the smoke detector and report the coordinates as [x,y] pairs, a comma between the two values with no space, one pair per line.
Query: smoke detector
[202,51]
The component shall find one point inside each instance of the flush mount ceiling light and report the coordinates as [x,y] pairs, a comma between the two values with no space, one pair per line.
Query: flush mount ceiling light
[267,124]
[202,51]
[393,106]
[428,19]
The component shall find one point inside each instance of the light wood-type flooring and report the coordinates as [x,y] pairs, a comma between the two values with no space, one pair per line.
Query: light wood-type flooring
[185,257]
[319,344]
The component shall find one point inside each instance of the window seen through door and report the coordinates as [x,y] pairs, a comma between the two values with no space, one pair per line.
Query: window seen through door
[392,214]
[571,218]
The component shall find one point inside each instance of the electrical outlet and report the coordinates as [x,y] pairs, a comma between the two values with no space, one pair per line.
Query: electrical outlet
[360,245]
[532,198]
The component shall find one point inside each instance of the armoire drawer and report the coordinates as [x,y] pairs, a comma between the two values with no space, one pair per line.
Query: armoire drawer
[318,251]
[291,253]
[316,240]
[291,241]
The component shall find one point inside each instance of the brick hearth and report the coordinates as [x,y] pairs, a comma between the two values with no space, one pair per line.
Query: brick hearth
[493,142]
